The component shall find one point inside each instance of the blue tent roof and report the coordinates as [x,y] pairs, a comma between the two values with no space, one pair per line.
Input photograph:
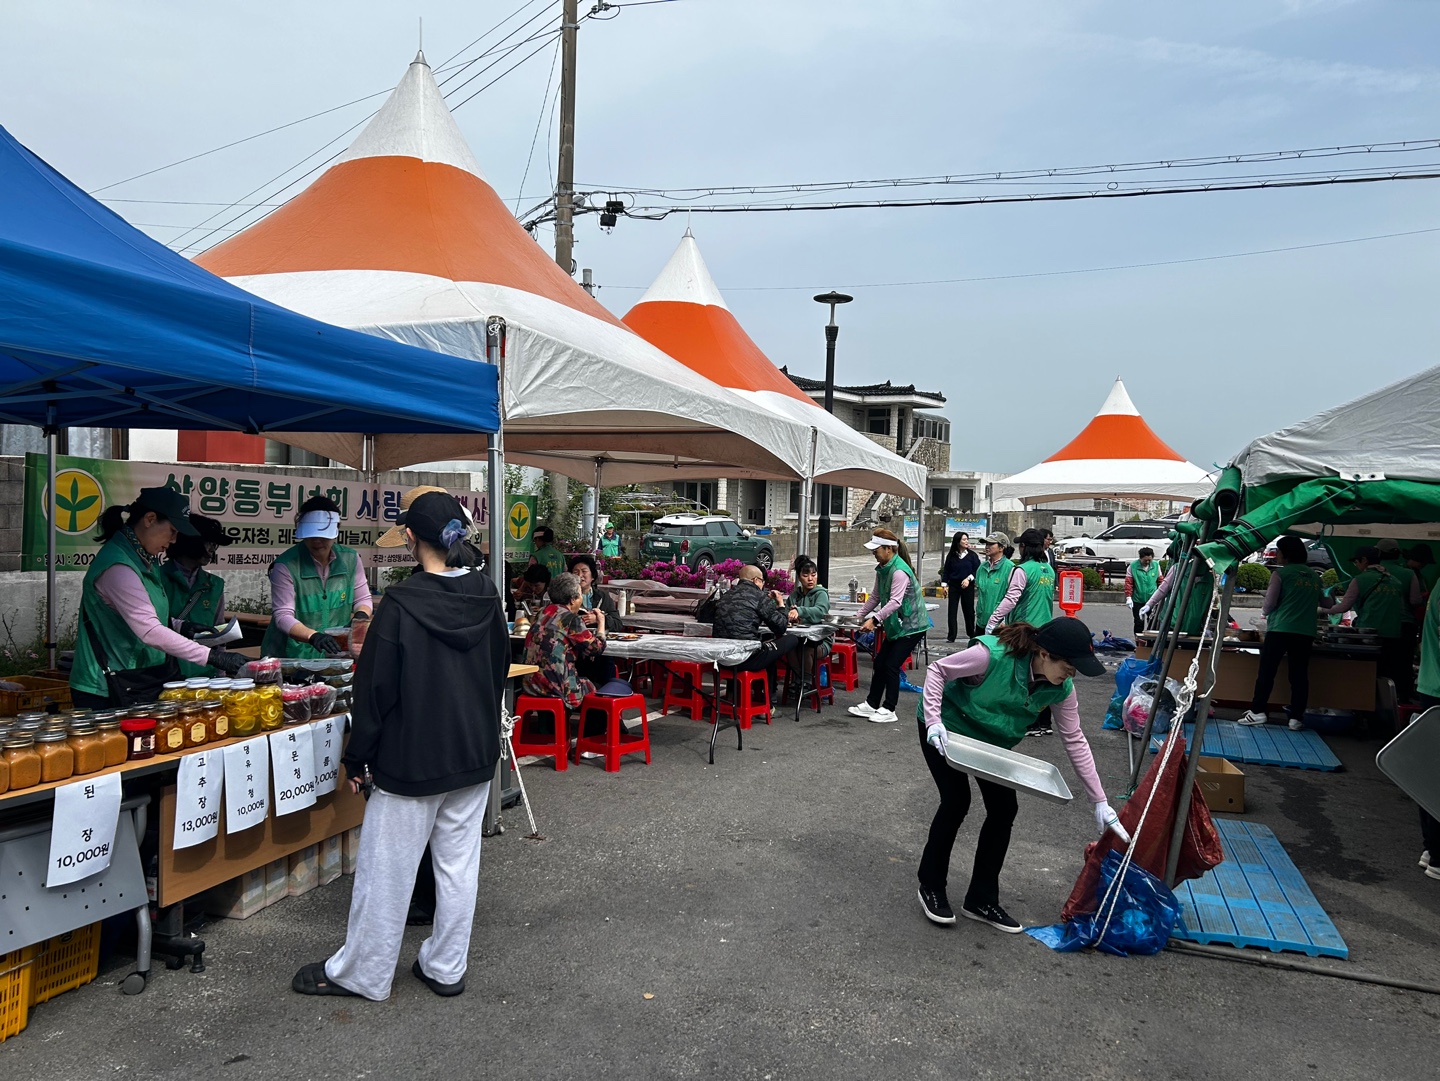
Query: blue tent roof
[115,330]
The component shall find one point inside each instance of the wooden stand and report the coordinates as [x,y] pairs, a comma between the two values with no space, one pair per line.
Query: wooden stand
[1336,682]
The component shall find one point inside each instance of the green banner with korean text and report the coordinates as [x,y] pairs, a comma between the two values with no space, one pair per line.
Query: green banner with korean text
[257,510]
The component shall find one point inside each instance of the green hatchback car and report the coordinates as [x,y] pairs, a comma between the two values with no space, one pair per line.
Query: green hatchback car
[702,540]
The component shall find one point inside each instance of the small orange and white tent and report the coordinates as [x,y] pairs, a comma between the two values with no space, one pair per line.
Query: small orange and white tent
[1116,456]
[404,237]
[684,314]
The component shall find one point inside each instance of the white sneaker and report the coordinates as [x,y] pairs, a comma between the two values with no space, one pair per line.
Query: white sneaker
[1250,717]
[1296,726]
[864,709]
[1425,858]
[884,716]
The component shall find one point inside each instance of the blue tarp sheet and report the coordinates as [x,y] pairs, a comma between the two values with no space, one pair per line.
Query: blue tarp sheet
[113,329]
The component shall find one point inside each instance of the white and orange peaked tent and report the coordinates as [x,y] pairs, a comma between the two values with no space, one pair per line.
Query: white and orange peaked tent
[1117,456]
[684,314]
[403,237]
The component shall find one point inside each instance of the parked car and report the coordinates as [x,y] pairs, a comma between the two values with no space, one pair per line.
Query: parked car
[1121,543]
[702,540]
[1316,554]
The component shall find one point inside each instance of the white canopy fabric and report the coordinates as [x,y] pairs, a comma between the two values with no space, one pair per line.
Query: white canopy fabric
[684,314]
[1116,456]
[1393,434]
[403,237]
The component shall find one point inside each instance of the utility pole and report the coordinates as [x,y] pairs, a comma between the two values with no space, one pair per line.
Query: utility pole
[565,187]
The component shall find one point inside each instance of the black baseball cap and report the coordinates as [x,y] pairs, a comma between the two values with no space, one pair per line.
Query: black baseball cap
[432,516]
[1370,554]
[170,505]
[1070,640]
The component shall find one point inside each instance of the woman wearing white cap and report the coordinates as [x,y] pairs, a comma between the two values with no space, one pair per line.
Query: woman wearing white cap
[315,584]
[896,605]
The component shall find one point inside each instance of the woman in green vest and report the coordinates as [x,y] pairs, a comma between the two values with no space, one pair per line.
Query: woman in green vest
[610,542]
[197,597]
[1292,602]
[895,604]
[1202,593]
[991,692]
[992,580]
[1142,578]
[314,584]
[1427,688]
[1030,594]
[125,610]
[1375,595]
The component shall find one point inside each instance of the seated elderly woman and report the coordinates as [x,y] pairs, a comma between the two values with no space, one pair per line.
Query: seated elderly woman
[593,599]
[565,649]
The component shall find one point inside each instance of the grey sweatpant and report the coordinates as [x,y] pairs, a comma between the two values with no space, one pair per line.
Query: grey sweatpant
[397,829]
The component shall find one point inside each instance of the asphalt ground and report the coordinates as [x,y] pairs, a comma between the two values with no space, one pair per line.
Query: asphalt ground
[758,919]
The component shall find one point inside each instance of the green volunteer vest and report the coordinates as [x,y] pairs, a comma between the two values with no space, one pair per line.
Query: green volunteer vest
[911,617]
[1299,601]
[1429,576]
[208,594]
[1145,581]
[1403,576]
[552,559]
[1379,602]
[610,546]
[990,587]
[123,650]
[998,708]
[316,605]
[1037,601]
[1428,682]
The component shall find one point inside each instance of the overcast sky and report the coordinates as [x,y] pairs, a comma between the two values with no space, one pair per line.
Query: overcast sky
[700,92]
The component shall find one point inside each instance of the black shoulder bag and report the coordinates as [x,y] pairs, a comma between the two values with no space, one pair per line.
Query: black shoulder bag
[135,686]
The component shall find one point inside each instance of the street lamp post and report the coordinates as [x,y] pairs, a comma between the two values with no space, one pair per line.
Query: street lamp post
[832,334]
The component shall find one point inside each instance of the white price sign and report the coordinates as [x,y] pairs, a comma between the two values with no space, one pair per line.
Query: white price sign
[197,798]
[247,784]
[325,736]
[82,833]
[292,757]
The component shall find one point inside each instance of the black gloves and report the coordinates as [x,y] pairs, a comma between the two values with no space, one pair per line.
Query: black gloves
[227,662]
[325,643]
[194,630]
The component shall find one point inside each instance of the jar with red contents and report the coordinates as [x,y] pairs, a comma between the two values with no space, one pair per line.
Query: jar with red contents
[140,734]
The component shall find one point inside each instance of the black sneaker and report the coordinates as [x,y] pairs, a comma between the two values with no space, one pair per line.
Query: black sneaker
[994,915]
[1038,728]
[937,906]
[444,990]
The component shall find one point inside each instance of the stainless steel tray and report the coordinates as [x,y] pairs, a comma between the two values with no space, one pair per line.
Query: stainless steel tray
[1009,768]
[1409,760]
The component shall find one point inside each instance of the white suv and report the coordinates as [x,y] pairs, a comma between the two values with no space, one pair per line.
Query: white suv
[1121,543]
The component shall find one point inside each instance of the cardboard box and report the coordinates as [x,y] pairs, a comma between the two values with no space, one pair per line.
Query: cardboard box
[238,899]
[329,860]
[1222,783]
[277,880]
[304,871]
[349,850]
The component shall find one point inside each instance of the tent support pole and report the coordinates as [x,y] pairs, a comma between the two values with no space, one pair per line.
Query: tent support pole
[1202,716]
[51,440]
[367,466]
[1167,640]
[595,518]
[807,486]
[495,459]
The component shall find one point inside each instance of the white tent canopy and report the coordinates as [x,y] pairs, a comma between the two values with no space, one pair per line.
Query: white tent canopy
[1116,456]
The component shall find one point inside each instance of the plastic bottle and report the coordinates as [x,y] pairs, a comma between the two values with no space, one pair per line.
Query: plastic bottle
[854,589]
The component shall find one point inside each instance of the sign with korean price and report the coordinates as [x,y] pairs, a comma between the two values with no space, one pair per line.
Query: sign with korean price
[197,798]
[247,784]
[292,759]
[257,510]
[325,737]
[82,833]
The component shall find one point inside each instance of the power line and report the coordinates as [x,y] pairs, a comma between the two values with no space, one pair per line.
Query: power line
[539,120]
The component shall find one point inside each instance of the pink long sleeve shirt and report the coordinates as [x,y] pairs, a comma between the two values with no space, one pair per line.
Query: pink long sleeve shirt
[898,581]
[1018,581]
[971,665]
[282,594]
[120,588]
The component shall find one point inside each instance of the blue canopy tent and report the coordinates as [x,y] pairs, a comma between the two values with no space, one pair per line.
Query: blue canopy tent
[102,326]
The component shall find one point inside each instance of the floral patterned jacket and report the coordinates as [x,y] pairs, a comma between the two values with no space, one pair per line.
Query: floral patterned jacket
[557,639]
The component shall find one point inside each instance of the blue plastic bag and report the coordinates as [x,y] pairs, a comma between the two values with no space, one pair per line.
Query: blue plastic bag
[1131,669]
[1145,914]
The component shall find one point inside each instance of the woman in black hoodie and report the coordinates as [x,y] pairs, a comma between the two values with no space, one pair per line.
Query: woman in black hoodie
[426,730]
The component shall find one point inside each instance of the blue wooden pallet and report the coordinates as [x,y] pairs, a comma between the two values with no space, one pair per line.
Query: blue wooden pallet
[1262,745]
[1255,898]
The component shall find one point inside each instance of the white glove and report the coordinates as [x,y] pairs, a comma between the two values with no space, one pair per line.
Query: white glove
[1129,602]
[935,736]
[1144,609]
[1107,819]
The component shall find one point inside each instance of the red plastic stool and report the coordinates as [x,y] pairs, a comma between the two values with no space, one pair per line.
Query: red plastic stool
[743,686]
[822,692]
[690,678]
[614,743]
[557,744]
[844,669]
[645,677]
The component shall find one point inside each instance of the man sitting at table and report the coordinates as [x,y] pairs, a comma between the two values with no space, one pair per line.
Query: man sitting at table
[747,611]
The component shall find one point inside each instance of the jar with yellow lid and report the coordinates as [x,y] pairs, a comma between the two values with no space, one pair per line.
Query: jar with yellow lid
[57,760]
[169,730]
[192,723]
[117,747]
[242,707]
[88,748]
[23,761]
[174,691]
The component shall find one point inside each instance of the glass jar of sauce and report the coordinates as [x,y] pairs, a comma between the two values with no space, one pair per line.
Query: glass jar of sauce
[297,704]
[88,747]
[57,760]
[4,772]
[192,724]
[23,761]
[169,734]
[117,747]
[139,737]
[216,723]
